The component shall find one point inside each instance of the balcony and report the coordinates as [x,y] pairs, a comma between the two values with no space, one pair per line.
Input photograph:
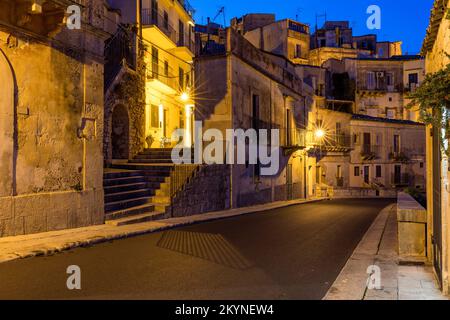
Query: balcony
[187,7]
[370,152]
[158,29]
[295,140]
[333,142]
[159,79]
[42,18]
[402,180]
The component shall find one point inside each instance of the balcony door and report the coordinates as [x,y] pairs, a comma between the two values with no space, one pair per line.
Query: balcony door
[397,174]
[288,127]
[366,142]
[366,174]
[180,33]
[154,12]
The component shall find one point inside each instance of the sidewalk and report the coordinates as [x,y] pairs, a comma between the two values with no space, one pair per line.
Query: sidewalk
[379,247]
[48,243]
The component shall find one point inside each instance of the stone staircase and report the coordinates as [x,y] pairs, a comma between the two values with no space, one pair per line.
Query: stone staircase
[140,189]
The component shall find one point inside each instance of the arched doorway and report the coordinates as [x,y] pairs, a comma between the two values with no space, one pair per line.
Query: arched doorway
[6,127]
[120,132]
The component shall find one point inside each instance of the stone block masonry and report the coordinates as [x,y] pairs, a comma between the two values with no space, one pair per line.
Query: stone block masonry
[207,191]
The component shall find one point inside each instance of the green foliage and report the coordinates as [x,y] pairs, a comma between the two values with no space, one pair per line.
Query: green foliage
[432,98]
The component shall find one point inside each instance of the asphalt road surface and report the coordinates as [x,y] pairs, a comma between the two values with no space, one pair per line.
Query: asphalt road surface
[289,253]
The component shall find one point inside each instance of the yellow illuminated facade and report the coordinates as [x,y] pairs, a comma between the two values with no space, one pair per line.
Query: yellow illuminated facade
[168,33]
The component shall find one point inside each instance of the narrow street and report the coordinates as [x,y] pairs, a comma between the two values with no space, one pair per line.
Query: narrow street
[290,253]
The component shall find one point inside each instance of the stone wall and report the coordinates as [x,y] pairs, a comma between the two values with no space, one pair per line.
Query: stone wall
[208,191]
[51,120]
[126,92]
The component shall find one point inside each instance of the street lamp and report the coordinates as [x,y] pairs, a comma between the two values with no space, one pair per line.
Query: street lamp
[319,133]
[184,96]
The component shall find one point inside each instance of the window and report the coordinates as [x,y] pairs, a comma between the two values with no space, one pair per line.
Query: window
[166,20]
[188,80]
[155,60]
[154,12]
[371,80]
[298,51]
[154,116]
[390,113]
[390,79]
[396,143]
[356,172]
[413,78]
[181,78]
[378,171]
[339,171]
[255,125]
[180,33]
[323,42]
[166,68]
[421,165]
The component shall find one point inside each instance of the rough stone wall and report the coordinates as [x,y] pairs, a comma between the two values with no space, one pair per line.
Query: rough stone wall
[127,91]
[52,128]
[436,59]
[208,191]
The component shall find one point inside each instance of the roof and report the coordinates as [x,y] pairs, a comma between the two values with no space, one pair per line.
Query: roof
[437,14]
[393,58]
[363,117]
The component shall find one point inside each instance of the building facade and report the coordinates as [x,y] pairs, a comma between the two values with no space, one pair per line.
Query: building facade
[250,89]
[436,47]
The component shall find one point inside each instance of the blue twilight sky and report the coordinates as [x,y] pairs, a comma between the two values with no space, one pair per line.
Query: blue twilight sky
[404,20]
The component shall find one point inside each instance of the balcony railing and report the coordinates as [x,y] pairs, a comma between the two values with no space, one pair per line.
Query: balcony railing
[158,72]
[403,179]
[187,6]
[370,151]
[151,17]
[405,154]
[295,137]
[330,141]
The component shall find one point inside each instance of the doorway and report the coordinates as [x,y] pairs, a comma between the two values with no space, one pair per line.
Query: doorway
[120,132]
[366,174]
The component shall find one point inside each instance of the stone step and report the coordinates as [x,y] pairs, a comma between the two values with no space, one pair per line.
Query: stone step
[121,174]
[151,216]
[123,181]
[126,204]
[152,161]
[160,199]
[150,169]
[128,195]
[114,215]
[125,187]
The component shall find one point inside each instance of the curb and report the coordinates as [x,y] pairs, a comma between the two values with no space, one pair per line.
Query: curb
[164,225]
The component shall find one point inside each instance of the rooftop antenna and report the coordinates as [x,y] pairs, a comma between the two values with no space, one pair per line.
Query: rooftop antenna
[321,15]
[299,10]
[221,12]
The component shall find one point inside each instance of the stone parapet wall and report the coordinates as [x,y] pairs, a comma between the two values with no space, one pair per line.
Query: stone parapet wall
[207,191]
[43,212]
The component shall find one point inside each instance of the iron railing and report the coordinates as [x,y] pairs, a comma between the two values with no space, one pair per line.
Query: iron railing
[180,176]
[370,151]
[295,137]
[329,140]
[153,17]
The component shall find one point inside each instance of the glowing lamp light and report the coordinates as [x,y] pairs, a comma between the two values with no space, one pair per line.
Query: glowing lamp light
[184,96]
[319,133]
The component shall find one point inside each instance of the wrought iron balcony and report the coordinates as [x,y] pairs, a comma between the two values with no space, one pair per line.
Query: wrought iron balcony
[370,151]
[330,141]
[151,17]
